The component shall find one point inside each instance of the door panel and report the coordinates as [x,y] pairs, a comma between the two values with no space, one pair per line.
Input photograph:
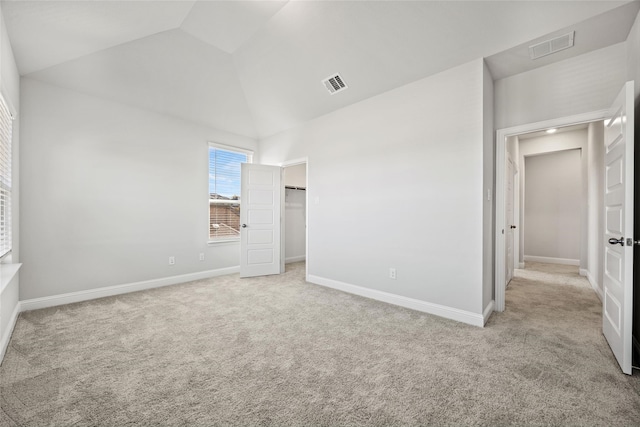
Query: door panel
[260,211]
[617,305]
[509,222]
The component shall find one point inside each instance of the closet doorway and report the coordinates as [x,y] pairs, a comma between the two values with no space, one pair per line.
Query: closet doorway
[295,211]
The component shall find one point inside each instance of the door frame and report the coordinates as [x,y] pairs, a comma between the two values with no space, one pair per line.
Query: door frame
[512,178]
[294,162]
[500,192]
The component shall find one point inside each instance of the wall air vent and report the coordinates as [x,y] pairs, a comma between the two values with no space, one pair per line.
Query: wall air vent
[334,83]
[554,45]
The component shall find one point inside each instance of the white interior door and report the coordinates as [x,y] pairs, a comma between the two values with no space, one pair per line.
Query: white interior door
[617,310]
[509,217]
[260,220]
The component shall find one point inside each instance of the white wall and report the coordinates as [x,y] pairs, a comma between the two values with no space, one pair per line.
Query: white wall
[552,210]
[585,83]
[488,216]
[295,175]
[9,289]
[595,203]
[397,181]
[560,141]
[109,192]
[633,57]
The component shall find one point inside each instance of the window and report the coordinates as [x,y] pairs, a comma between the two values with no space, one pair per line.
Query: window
[6,125]
[224,191]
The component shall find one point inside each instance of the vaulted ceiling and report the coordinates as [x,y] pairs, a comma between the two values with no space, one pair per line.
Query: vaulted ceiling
[254,68]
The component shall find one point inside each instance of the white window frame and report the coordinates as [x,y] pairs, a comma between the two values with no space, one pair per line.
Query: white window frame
[249,154]
[6,167]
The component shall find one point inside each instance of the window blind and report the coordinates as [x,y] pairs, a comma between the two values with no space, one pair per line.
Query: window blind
[224,192]
[6,127]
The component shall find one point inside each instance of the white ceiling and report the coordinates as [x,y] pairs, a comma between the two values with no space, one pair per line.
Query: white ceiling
[254,67]
[594,33]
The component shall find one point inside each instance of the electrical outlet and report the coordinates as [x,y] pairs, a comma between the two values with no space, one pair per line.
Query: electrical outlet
[392,273]
[172,260]
[201,256]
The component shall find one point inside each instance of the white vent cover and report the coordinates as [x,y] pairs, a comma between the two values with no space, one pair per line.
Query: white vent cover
[551,46]
[334,83]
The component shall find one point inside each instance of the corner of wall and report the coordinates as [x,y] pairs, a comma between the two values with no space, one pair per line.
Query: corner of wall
[488,257]
[9,291]
[633,57]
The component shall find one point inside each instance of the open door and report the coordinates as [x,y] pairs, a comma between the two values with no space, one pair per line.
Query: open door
[617,310]
[260,219]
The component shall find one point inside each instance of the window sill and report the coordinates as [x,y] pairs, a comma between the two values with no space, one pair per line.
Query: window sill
[7,273]
[222,242]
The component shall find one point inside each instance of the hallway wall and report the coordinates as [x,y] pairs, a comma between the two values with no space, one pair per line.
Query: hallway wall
[568,140]
[553,207]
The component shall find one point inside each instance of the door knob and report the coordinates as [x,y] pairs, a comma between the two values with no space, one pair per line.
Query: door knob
[513,226]
[619,241]
[244,225]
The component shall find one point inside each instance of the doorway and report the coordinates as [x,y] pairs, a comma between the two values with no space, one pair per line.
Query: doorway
[503,142]
[559,167]
[294,248]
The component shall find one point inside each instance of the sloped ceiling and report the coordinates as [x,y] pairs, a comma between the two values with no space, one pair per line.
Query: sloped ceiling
[254,67]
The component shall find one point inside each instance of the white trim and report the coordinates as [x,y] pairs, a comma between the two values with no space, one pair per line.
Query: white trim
[583,272]
[7,273]
[6,337]
[593,283]
[7,99]
[222,241]
[487,311]
[521,265]
[414,304]
[552,260]
[501,135]
[295,162]
[55,300]
[295,259]
[246,151]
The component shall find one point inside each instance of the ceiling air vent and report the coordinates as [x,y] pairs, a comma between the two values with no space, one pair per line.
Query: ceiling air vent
[334,83]
[551,46]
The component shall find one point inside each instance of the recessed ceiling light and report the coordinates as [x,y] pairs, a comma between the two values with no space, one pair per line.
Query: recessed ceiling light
[551,130]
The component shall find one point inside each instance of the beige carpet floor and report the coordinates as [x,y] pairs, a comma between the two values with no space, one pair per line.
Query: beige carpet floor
[277,351]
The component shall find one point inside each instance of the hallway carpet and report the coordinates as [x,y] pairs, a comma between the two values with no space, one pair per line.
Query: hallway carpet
[277,351]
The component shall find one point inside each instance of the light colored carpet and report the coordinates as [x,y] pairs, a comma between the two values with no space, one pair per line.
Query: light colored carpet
[277,351]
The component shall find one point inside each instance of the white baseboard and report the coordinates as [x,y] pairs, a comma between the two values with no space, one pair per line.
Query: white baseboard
[295,259]
[583,272]
[487,312]
[521,265]
[6,337]
[414,304]
[594,284]
[55,300]
[550,260]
